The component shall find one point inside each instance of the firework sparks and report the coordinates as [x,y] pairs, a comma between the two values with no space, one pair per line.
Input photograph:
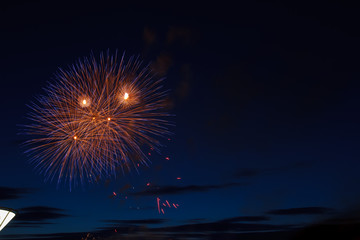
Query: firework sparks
[158,203]
[96,119]
[162,205]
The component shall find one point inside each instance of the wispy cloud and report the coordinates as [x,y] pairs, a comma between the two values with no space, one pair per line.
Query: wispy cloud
[9,193]
[137,221]
[36,216]
[302,211]
[171,190]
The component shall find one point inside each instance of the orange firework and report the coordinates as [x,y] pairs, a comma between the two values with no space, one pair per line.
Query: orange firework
[95,119]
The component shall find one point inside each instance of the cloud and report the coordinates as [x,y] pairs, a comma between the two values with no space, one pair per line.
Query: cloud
[47,236]
[247,219]
[223,226]
[252,172]
[36,216]
[197,229]
[229,228]
[247,172]
[343,226]
[137,221]
[8,193]
[302,211]
[171,190]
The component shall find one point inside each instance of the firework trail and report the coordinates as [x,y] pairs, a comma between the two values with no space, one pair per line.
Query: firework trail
[162,205]
[95,119]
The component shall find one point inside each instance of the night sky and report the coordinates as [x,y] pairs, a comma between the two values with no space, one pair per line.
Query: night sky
[265,98]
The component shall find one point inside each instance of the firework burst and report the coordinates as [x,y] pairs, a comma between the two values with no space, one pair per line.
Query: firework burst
[95,119]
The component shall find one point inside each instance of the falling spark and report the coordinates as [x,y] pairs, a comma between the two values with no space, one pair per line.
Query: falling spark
[167,158]
[178,178]
[158,204]
[168,203]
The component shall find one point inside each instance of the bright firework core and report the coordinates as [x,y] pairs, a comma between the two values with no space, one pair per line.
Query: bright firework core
[87,91]
[84,101]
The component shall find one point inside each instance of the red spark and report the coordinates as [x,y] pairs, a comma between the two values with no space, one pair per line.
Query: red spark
[148,184]
[158,203]
[168,203]
[167,158]
[162,210]
[174,205]
[169,139]
[114,193]
[164,204]
[115,230]
[149,154]
[178,178]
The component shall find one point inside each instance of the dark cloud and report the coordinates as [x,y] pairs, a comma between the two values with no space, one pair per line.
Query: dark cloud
[229,228]
[343,226]
[252,172]
[196,220]
[137,221]
[302,211]
[48,236]
[36,216]
[223,226]
[247,219]
[169,190]
[7,193]
[200,230]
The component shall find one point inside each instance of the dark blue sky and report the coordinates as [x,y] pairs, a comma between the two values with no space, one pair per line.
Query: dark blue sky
[266,98]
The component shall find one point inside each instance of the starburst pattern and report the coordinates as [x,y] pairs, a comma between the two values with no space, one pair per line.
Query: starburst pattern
[95,119]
